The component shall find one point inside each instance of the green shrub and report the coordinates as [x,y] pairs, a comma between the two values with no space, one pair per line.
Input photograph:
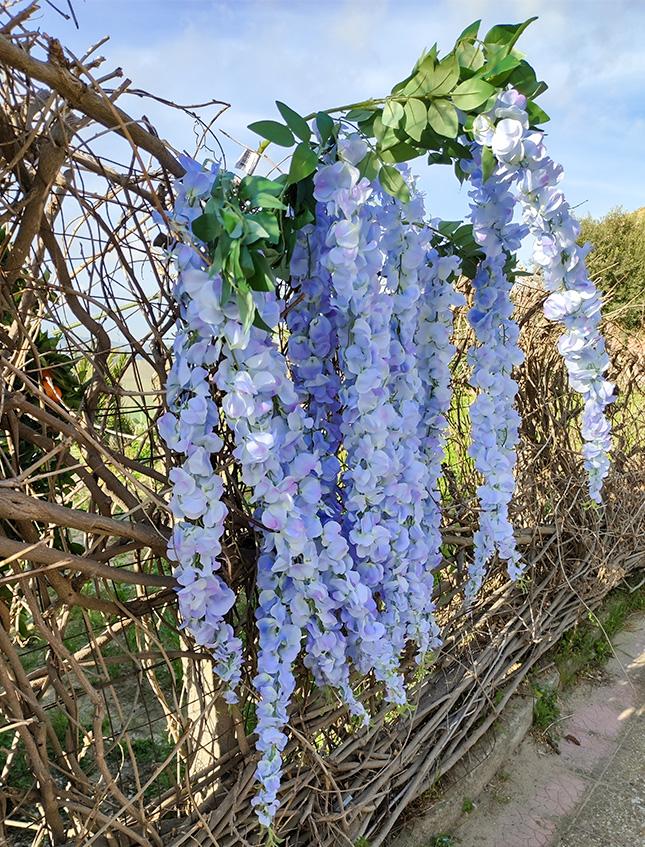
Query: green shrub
[617,261]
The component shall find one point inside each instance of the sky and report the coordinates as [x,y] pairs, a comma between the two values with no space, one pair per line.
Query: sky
[315,55]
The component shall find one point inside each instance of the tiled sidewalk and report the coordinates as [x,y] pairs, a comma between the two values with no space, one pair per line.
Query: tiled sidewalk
[593,793]
[612,812]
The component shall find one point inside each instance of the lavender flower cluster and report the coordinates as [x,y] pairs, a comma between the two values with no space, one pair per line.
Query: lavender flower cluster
[494,419]
[376,257]
[574,299]
[190,427]
[435,352]
[301,577]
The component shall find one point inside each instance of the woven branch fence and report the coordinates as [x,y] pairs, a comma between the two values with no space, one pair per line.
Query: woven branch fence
[112,729]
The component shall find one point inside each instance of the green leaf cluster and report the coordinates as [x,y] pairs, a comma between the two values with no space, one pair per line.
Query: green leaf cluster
[428,111]
[241,224]
[304,158]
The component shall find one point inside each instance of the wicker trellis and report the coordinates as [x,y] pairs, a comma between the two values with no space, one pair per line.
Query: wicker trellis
[112,729]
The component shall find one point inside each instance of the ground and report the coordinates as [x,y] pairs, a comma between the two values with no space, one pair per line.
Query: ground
[586,787]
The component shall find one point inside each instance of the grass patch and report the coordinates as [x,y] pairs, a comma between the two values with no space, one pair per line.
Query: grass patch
[443,840]
[587,645]
[546,710]
[19,775]
[149,754]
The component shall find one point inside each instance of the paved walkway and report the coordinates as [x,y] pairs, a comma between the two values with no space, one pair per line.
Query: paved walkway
[593,793]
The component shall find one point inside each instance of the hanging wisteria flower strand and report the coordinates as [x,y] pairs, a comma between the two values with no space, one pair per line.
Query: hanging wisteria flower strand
[574,299]
[494,419]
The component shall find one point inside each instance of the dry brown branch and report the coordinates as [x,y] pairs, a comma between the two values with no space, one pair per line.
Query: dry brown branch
[13,504]
[79,95]
[41,554]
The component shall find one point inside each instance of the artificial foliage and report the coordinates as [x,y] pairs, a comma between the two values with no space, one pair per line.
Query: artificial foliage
[314,329]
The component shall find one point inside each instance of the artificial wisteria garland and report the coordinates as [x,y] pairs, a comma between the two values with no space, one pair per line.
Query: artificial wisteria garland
[494,419]
[348,551]
[338,419]
[190,427]
[523,174]
[522,161]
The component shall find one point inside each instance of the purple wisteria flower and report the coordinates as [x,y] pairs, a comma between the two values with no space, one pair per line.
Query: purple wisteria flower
[190,427]
[574,300]
[494,419]
[435,351]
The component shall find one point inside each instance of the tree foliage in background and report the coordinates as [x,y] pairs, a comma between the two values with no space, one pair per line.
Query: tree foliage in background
[618,257]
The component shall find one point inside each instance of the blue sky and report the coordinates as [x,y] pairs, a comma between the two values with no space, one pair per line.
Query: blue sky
[321,54]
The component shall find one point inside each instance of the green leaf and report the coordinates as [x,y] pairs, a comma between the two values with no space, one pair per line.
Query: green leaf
[222,247]
[392,114]
[233,222]
[524,79]
[469,267]
[471,32]
[268,223]
[366,126]
[369,166]
[303,163]
[261,324]
[440,157]
[392,182]
[273,131]
[470,56]
[246,306]
[267,201]
[448,228]
[303,218]
[359,115]
[445,76]
[262,279]
[499,73]
[325,126]
[507,35]
[385,135]
[536,115]
[246,262]
[400,87]
[428,56]
[226,291]
[489,163]
[435,79]
[401,152]
[305,195]
[442,117]
[206,228]
[460,173]
[296,123]
[254,231]
[464,240]
[232,265]
[472,93]
[251,186]
[416,118]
